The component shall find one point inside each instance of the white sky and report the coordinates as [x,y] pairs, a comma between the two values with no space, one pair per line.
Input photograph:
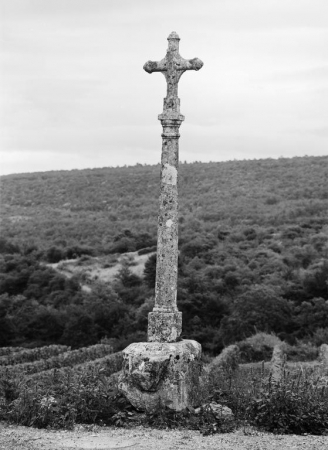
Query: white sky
[74,94]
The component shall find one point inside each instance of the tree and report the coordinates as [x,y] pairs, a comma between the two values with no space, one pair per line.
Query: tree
[150,271]
[54,254]
[80,330]
[261,308]
[127,277]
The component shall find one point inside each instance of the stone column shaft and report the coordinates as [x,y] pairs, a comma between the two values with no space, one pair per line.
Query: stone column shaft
[165,321]
[164,372]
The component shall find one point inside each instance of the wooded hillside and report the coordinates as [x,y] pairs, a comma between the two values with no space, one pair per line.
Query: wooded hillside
[253,251]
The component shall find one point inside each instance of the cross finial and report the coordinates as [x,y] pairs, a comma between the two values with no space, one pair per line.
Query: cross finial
[172,67]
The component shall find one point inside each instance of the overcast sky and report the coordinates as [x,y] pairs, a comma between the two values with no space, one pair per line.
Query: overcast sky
[74,94]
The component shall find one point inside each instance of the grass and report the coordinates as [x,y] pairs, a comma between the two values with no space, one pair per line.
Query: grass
[297,404]
[89,394]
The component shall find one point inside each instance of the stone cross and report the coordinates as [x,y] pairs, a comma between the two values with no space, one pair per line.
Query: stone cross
[165,321]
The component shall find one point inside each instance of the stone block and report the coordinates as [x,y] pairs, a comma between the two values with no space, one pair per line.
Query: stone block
[277,363]
[162,374]
[164,326]
[323,354]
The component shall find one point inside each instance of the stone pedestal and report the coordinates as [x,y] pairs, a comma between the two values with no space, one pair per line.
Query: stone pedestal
[164,326]
[164,372]
[159,374]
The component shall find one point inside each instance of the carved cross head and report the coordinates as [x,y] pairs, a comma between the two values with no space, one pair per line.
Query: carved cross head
[172,67]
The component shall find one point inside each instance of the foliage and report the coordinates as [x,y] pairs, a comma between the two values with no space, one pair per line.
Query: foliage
[5,351]
[258,347]
[227,361]
[150,271]
[65,359]
[106,366]
[253,256]
[87,393]
[71,398]
[32,355]
[259,308]
[298,404]
[301,351]
[291,406]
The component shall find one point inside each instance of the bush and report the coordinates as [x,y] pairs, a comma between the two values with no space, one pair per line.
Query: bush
[258,347]
[106,366]
[302,351]
[320,336]
[33,354]
[298,404]
[290,407]
[4,351]
[227,361]
[260,307]
[65,359]
[71,398]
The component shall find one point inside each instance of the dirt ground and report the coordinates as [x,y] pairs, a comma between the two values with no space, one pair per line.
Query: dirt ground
[95,270]
[140,438]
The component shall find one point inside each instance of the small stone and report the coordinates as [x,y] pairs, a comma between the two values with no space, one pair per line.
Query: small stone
[220,411]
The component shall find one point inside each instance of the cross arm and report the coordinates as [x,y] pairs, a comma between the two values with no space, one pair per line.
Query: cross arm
[154,66]
[189,64]
[180,64]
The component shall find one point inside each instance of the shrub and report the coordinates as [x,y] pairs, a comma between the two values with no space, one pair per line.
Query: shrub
[85,397]
[106,366]
[260,307]
[298,404]
[320,336]
[227,361]
[258,347]
[33,354]
[65,359]
[290,407]
[4,351]
[302,351]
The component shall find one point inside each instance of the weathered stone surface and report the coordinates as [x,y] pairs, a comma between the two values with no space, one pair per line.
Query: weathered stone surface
[163,371]
[164,326]
[162,374]
[277,363]
[221,412]
[172,67]
[323,354]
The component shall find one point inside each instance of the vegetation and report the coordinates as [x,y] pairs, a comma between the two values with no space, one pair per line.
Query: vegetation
[253,253]
[87,393]
[71,393]
[297,404]
[65,359]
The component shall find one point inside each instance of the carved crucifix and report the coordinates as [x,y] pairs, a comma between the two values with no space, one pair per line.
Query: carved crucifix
[165,321]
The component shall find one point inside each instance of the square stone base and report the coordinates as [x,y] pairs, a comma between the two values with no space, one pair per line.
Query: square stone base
[162,375]
[164,326]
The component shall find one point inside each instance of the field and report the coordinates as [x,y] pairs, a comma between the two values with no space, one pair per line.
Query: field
[61,388]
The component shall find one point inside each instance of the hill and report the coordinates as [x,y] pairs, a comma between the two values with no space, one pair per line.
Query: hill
[253,250]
